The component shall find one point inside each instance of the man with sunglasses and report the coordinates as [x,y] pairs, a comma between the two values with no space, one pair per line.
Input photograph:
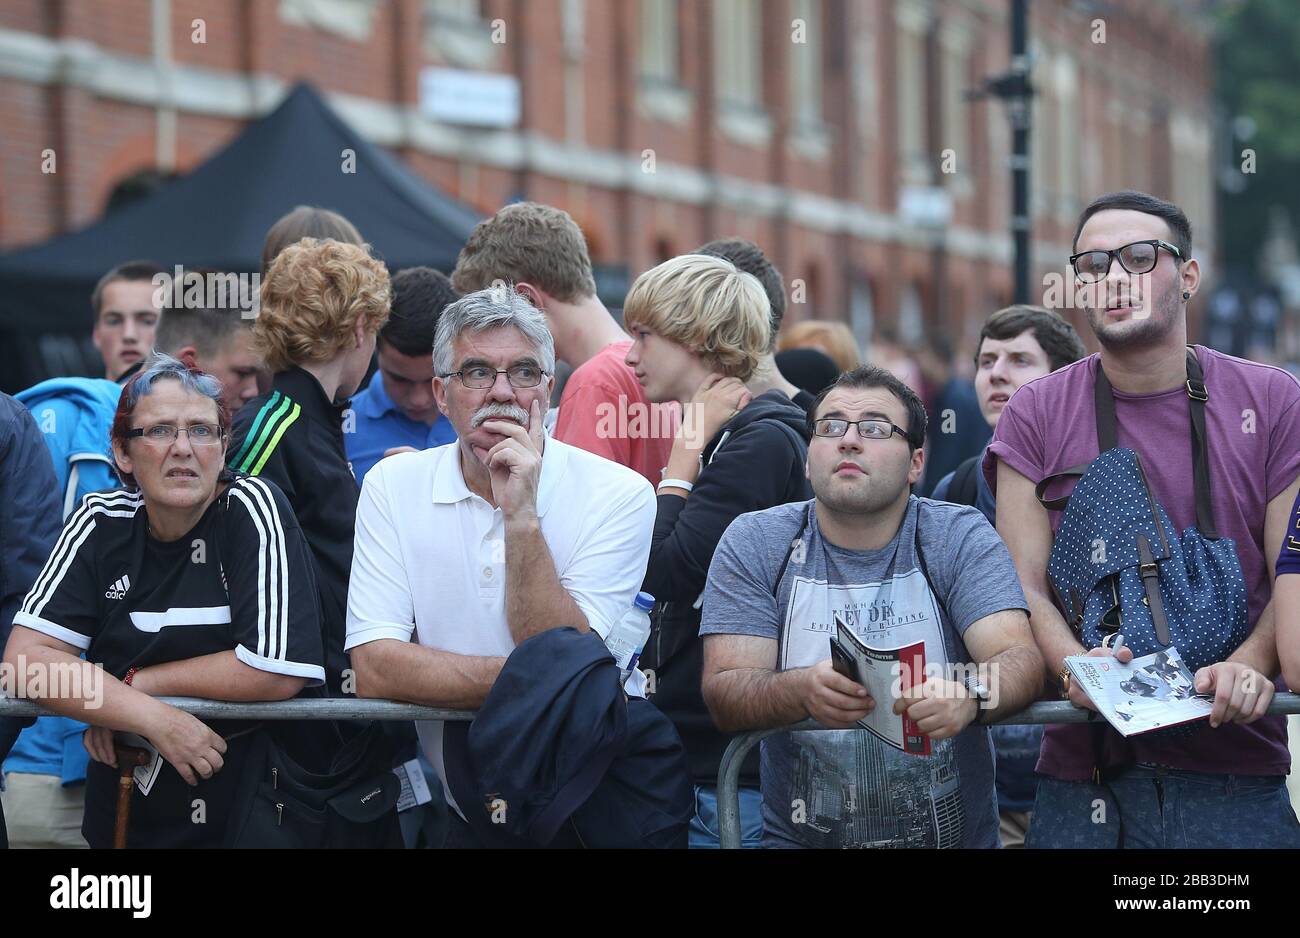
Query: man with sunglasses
[1222,786]
[897,570]
[465,551]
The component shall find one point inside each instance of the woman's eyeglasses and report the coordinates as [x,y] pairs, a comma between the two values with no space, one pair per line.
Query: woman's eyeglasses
[164,434]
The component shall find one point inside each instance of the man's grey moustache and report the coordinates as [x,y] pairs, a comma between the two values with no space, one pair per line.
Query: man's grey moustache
[495,411]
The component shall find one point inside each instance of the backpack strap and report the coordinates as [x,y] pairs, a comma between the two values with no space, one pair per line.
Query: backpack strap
[1197,398]
[1108,438]
[964,487]
[799,442]
[1058,504]
[1104,400]
[1198,395]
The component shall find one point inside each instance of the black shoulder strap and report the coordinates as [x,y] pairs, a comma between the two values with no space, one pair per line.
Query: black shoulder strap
[964,487]
[1108,438]
[1107,425]
[1058,504]
[1198,395]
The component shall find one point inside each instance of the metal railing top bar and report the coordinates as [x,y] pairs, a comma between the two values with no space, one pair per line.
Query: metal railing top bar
[345,708]
[1046,711]
[332,708]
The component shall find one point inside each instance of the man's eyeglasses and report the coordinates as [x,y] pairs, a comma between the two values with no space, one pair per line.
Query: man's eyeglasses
[1137,258]
[164,434]
[867,429]
[480,377]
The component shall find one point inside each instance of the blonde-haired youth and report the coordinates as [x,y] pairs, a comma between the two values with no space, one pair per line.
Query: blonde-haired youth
[707,305]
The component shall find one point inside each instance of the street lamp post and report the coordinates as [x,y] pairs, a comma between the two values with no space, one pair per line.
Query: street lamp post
[1015,89]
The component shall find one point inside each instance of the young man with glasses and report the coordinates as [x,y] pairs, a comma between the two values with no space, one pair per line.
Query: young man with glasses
[464,551]
[1223,785]
[897,570]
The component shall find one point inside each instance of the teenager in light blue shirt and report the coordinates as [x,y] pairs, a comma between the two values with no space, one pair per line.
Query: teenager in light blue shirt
[397,409]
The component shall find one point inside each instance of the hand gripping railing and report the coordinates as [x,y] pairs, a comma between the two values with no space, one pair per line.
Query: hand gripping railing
[1043,712]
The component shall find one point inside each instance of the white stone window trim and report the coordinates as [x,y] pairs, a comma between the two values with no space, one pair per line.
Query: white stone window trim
[458,41]
[350,19]
[810,139]
[745,124]
[664,101]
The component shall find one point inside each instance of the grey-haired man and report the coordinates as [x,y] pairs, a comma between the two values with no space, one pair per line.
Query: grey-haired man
[462,552]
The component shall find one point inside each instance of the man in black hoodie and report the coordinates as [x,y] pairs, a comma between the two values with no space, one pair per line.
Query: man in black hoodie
[699,329]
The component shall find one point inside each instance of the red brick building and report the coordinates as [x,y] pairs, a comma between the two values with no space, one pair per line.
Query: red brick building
[805,125]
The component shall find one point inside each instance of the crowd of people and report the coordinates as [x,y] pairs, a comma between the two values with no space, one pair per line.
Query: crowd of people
[233,513]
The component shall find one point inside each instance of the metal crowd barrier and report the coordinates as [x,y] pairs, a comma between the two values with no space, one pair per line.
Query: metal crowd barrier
[1056,711]
[333,708]
[344,708]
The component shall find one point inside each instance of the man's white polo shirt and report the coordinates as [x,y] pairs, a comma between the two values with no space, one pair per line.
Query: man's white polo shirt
[429,558]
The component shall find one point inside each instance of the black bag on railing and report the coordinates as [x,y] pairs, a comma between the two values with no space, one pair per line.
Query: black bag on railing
[281,804]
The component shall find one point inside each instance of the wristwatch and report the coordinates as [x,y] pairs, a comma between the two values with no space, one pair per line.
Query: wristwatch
[975,687]
[1064,680]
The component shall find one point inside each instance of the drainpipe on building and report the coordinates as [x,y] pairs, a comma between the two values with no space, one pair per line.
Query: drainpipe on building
[519,63]
[1022,222]
[165,135]
[843,165]
[939,317]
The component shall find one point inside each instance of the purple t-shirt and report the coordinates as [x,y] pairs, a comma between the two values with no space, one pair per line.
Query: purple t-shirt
[1288,560]
[1253,426]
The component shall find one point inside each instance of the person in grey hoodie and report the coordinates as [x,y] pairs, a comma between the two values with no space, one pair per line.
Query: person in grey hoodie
[699,328]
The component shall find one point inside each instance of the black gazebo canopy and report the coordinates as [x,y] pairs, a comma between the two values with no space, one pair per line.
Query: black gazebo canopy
[217,216]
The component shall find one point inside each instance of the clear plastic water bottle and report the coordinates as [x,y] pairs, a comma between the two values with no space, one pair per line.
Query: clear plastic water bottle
[628,636]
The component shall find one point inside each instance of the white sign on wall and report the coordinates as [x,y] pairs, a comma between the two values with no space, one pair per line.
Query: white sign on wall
[479,99]
[925,206]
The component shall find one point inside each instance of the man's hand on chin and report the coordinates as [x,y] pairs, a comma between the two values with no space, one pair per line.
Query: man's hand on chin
[515,464]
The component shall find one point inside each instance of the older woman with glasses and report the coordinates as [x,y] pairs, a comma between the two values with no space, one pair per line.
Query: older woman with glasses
[193,581]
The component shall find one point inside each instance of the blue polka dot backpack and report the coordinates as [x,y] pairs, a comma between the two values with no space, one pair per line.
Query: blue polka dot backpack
[1118,564]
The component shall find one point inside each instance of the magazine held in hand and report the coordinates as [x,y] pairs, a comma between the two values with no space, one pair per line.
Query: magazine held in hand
[1149,693]
[884,672]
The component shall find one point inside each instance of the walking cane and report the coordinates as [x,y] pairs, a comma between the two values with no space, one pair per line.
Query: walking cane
[128,757]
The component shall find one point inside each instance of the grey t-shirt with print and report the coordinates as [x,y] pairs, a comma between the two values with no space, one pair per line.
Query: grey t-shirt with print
[845,788]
